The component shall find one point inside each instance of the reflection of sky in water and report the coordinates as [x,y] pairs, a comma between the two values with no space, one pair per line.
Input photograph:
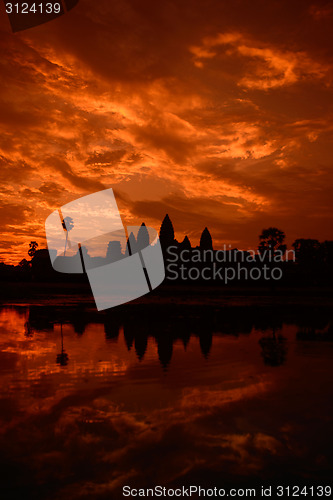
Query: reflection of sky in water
[108,419]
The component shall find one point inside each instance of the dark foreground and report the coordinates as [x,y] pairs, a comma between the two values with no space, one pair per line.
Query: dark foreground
[172,391]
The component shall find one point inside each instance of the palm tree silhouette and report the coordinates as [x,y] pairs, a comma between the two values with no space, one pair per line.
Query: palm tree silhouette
[33,248]
[68,225]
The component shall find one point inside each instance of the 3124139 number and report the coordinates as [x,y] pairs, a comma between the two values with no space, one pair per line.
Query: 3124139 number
[35,8]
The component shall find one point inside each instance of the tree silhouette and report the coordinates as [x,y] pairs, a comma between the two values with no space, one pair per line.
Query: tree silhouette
[271,241]
[68,225]
[24,264]
[327,252]
[306,250]
[33,247]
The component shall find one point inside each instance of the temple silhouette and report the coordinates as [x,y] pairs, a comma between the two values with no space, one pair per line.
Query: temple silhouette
[312,265]
[167,237]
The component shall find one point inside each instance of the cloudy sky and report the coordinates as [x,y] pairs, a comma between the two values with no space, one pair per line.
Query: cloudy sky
[219,113]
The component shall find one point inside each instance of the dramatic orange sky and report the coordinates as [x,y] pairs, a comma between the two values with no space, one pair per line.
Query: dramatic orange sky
[217,112]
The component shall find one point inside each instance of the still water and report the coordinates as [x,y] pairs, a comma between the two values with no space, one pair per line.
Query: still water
[165,395]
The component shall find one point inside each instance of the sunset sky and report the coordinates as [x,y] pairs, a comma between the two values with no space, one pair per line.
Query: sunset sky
[219,113]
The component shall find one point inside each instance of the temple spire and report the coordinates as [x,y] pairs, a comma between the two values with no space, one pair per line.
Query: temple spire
[167,233]
[143,237]
[206,242]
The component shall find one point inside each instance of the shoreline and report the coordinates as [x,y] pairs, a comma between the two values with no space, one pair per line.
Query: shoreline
[74,294]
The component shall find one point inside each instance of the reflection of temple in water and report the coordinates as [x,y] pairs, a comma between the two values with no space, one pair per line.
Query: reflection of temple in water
[141,326]
[138,324]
